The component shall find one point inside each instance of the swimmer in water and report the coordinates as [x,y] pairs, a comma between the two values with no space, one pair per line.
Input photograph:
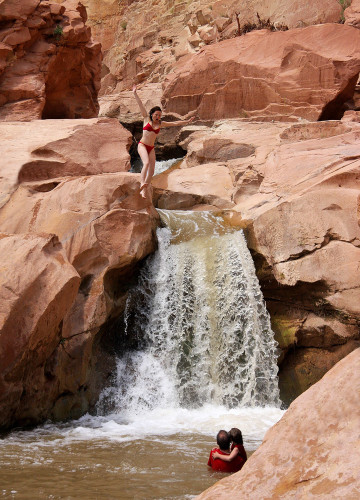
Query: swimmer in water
[237,447]
[151,128]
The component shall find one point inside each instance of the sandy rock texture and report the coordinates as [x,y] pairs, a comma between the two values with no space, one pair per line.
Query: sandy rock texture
[352,14]
[305,73]
[78,230]
[38,286]
[142,41]
[295,190]
[311,451]
[49,64]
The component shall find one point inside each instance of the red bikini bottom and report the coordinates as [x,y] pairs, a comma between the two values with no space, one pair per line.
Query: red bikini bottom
[148,148]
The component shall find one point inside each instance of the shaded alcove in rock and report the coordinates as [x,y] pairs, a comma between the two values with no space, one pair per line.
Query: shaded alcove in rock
[111,341]
[70,94]
[335,109]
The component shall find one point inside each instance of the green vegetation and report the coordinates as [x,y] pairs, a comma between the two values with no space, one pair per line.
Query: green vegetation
[344,5]
[58,32]
[123,24]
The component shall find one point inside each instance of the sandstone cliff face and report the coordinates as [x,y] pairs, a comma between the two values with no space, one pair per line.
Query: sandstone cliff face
[142,41]
[49,64]
[306,73]
[60,290]
[319,459]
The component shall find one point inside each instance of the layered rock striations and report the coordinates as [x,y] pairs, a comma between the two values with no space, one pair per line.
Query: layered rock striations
[143,41]
[319,459]
[74,228]
[49,64]
[306,73]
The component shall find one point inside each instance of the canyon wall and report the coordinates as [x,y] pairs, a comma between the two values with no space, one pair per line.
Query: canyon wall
[73,225]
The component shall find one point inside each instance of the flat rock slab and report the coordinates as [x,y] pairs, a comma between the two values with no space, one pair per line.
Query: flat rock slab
[58,148]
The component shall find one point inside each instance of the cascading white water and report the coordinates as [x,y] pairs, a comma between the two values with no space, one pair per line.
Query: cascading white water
[207,344]
[206,333]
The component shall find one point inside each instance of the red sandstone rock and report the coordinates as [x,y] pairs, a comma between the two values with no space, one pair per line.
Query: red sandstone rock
[17,9]
[311,452]
[143,44]
[352,14]
[105,228]
[54,68]
[263,74]
[38,287]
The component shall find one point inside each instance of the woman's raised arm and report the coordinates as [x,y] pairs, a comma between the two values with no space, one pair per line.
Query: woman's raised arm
[138,100]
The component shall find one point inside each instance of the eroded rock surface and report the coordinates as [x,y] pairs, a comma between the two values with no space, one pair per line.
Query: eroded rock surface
[310,452]
[142,41]
[265,75]
[49,64]
[103,228]
[38,287]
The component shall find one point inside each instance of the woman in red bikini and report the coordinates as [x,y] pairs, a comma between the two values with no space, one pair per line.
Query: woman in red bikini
[152,125]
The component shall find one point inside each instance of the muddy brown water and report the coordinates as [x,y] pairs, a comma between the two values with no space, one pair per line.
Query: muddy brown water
[171,467]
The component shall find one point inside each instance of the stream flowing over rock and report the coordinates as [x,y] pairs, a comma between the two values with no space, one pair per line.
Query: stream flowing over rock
[274,148]
[296,188]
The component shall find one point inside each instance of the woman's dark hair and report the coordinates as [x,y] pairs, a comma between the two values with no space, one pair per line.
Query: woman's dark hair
[152,110]
[236,436]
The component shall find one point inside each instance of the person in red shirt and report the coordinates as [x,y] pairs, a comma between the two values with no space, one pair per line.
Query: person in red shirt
[237,447]
[234,465]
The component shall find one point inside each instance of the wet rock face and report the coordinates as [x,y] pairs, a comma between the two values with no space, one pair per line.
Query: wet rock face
[295,189]
[281,76]
[319,459]
[61,290]
[49,64]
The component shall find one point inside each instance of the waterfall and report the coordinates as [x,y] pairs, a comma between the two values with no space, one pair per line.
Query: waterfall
[199,312]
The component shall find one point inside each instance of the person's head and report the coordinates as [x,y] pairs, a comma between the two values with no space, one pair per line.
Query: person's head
[155,114]
[236,436]
[223,440]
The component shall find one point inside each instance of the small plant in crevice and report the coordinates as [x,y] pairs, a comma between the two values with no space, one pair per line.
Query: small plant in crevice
[344,5]
[58,32]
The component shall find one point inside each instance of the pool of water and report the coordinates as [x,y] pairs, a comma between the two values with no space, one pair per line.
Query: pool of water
[161,454]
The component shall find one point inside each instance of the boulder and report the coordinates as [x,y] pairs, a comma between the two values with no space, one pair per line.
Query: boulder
[53,69]
[310,452]
[38,287]
[305,73]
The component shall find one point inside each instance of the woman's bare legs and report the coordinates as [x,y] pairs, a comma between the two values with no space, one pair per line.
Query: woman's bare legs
[147,171]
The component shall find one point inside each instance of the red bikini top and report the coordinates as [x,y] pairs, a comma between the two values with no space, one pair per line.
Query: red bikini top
[149,128]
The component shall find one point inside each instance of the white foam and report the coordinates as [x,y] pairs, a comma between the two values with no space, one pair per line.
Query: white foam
[160,422]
